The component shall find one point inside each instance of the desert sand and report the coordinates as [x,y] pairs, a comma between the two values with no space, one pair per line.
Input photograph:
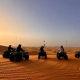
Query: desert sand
[35,69]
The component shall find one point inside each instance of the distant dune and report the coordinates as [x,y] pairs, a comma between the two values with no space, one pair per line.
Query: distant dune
[2,48]
[49,50]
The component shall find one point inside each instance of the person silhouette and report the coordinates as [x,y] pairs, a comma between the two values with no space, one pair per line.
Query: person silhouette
[19,48]
[42,48]
[10,48]
[61,49]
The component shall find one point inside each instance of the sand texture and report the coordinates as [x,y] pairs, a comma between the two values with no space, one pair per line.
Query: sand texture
[35,69]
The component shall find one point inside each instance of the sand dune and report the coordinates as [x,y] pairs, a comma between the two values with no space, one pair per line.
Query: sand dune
[2,48]
[34,69]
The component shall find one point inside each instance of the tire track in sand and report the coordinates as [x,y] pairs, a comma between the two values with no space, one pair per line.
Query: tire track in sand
[35,69]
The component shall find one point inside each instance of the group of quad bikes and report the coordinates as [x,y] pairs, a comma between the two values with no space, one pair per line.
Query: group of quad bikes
[18,56]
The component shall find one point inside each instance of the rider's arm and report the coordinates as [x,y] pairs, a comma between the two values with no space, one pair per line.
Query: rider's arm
[59,49]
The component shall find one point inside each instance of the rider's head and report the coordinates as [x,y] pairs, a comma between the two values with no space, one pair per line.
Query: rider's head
[42,46]
[61,46]
[9,45]
[19,45]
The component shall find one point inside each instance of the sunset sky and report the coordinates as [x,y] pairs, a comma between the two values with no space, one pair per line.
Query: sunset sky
[30,22]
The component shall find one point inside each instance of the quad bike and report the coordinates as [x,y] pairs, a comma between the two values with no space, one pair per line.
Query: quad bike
[43,54]
[18,56]
[6,53]
[63,55]
[77,54]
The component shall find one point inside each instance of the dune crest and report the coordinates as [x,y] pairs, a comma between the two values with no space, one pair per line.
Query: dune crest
[2,48]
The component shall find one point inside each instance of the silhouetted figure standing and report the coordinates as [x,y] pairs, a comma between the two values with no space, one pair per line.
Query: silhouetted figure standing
[19,48]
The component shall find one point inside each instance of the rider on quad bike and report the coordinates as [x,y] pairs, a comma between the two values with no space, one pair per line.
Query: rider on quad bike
[61,49]
[19,54]
[19,48]
[10,48]
[42,48]
[42,53]
[6,53]
[61,53]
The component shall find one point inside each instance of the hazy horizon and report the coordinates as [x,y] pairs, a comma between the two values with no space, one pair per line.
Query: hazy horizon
[31,22]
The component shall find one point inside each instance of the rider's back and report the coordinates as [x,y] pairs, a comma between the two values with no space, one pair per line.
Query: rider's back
[19,49]
[41,49]
[61,50]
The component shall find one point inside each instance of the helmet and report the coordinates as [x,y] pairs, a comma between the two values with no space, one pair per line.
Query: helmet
[19,44]
[9,45]
[61,46]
